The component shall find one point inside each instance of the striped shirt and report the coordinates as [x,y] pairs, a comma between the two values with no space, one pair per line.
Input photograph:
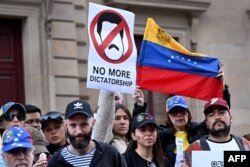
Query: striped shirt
[77,160]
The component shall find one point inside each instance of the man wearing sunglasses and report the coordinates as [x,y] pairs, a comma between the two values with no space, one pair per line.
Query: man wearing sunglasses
[82,150]
[17,147]
[54,131]
[12,114]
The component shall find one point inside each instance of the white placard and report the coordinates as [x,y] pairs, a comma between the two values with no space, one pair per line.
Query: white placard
[112,51]
[207,158]
[179,151]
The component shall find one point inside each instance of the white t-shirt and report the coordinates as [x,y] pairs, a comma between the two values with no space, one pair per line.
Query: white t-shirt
[230,145]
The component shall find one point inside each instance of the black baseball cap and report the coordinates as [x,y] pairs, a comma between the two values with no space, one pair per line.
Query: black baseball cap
[78,107]
[51,116]
[141,120]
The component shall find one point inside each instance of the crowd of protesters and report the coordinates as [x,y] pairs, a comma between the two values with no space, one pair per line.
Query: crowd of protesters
[115,136]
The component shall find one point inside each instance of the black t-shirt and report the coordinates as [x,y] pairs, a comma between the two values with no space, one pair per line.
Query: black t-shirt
[133,159]
[53,148]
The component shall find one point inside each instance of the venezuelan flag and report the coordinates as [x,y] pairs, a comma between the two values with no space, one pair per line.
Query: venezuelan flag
[166,66]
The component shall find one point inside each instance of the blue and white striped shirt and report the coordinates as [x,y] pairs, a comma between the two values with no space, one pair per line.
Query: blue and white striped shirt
[77,160]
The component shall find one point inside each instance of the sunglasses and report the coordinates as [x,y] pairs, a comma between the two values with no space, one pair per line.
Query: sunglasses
[33,121]
[51,116]
[9,116]
[175,113]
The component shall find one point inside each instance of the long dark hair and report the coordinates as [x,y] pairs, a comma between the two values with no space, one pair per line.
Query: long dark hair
[157,150]
[125,109]
[170,125]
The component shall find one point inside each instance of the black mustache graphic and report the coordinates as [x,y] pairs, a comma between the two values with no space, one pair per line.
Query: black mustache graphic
[113,46]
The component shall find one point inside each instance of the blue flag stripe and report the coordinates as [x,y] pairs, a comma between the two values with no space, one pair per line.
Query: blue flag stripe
[154,55]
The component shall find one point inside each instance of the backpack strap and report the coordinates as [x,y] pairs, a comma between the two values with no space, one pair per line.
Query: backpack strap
[204,144]
[239,142]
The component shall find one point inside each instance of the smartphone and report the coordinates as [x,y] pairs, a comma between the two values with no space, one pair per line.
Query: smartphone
[42,156]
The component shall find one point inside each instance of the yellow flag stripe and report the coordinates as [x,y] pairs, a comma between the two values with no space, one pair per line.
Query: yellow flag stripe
[157,35]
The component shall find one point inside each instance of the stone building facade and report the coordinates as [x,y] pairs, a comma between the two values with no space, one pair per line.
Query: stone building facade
[55,47]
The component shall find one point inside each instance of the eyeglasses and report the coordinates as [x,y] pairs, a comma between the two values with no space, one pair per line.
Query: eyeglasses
[33,121]
[9,116]
[175,113]
[51,116]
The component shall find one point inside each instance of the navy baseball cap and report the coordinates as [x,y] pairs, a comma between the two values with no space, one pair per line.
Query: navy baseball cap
[78,107]
[141,120]
[51,116]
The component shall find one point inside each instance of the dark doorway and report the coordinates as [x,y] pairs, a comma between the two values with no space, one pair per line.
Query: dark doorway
[11,61]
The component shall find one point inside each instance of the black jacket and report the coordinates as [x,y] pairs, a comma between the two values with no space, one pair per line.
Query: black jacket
[105,155]
[194,132]
[53,148]
[133,159]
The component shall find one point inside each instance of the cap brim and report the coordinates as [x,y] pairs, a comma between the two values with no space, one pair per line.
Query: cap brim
[207,110]
[178,105]
[147,123]
[10,147]
[79,112]
[43,123]
[17,106]
[40,149]
[51,119]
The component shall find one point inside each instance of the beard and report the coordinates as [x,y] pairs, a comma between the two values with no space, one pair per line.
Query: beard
[79,144]
[220,132]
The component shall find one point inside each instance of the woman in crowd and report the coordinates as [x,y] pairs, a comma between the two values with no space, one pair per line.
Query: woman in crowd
[54,130]
[180,130]
[112,121]
[144,149]
[121,128]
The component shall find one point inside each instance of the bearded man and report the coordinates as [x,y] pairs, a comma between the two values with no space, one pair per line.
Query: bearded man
[218,121]
[82,150]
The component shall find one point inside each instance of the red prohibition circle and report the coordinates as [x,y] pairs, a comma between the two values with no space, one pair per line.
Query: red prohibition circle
[102,46]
